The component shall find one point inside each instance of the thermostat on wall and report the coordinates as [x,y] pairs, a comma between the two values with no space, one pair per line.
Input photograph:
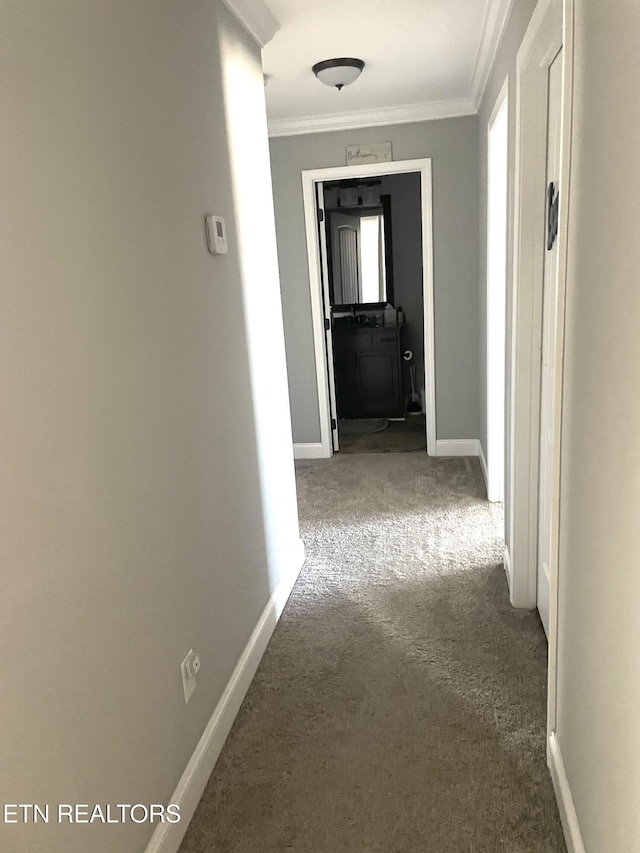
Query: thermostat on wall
[216,235]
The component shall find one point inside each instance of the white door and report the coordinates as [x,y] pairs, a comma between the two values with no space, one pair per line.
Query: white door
[326,307]
[549,334]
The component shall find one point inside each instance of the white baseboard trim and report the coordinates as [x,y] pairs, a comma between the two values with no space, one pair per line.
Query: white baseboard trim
[507,568]
[310,450]
[567,809]
[483,467]
[458,447]
[168,836]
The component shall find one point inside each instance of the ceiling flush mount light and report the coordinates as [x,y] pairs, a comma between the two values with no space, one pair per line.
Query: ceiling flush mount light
[338,72]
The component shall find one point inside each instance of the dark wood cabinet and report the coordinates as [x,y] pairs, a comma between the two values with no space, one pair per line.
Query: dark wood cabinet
[367,372]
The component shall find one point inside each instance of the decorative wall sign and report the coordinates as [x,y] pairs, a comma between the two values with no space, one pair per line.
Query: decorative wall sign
[379,152]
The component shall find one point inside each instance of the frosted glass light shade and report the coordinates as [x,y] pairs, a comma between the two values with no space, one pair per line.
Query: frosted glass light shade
[338,72]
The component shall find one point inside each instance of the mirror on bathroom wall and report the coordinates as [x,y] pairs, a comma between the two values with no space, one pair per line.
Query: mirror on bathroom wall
[359,252]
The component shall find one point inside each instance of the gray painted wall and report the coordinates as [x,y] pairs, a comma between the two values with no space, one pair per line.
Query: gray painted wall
[147,496]
[504,66]
[599,581]
[453,146]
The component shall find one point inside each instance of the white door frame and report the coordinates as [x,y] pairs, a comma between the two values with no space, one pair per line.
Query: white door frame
[324,259]
[550,29]
[309,179]
[495,467]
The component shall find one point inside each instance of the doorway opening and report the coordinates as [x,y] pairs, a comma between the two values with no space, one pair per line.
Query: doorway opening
[371,279]
[497,203]
[371,237]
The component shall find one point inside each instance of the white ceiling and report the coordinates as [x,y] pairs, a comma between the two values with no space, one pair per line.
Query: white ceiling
[423,59]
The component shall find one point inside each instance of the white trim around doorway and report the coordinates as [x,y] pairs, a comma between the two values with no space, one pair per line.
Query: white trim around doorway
[550,29]
[497,242]
[541,43]
[309,180]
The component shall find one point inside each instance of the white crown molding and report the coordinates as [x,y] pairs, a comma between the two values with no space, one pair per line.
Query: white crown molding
[495,21]
[256,17]
[405,114]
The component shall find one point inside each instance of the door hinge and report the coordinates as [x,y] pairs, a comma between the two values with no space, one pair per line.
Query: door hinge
[553,204]
[320,212]
[327,324]
[334,424]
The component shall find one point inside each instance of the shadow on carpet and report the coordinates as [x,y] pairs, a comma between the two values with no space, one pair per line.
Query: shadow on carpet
[406,436]
[400,706]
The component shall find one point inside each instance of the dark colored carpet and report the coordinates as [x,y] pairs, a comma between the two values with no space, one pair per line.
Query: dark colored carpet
[400,707]
[399,437]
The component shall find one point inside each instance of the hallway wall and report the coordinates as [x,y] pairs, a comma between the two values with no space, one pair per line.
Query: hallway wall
[599,581]
[148,502]
[452,143]
[598,689]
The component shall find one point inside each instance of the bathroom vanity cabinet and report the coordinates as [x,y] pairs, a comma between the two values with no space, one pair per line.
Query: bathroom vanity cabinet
[368,372]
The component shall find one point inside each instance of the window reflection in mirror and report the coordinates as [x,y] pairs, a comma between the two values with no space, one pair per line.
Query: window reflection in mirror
[359,255]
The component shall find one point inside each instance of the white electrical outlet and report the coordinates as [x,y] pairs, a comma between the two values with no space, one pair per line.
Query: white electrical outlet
[189,668]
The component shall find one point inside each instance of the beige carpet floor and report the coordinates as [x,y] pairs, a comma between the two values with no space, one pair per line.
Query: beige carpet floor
[400,706]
